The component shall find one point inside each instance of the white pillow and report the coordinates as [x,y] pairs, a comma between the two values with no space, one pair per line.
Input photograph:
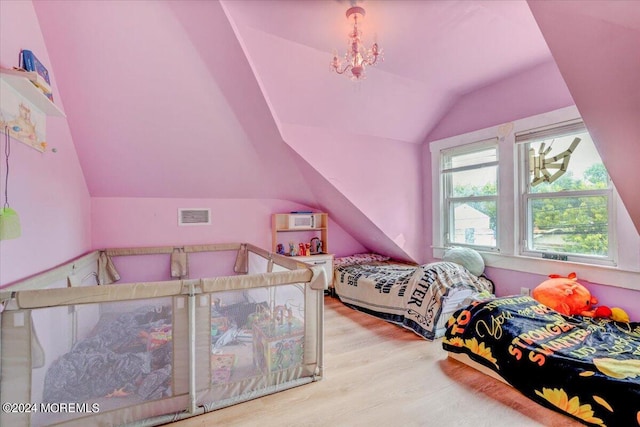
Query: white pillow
[466,257]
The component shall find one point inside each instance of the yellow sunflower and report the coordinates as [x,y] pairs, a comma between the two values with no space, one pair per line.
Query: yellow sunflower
[456,342]
[559,398]
[481,350]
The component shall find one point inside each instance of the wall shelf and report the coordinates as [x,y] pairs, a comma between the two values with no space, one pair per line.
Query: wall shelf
[284,230]
[280,224]
[31,93]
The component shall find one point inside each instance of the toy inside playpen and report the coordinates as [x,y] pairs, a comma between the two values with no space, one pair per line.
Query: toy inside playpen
[75,352]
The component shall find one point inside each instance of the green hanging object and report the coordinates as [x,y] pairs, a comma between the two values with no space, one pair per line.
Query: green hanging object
[9,219]
[9,224]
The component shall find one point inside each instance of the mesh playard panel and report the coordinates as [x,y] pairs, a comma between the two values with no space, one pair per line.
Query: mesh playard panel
[121,355]
[147,353]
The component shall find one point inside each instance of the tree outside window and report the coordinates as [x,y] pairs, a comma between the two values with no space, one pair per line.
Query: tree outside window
[571,213]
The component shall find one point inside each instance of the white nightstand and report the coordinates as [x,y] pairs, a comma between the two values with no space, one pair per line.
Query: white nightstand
[323,260]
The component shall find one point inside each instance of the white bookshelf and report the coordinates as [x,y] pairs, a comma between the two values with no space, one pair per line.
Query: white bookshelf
[30,92]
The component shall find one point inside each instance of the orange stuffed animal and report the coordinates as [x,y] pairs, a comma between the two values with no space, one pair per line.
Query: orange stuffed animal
[565,295]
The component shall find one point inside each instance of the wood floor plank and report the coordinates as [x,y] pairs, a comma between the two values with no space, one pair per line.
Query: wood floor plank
[378,374]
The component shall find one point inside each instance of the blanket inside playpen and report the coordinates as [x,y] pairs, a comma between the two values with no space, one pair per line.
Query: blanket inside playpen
[126,354]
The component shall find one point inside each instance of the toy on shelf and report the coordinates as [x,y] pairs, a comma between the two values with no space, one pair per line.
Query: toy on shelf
[315,246]
[300,226]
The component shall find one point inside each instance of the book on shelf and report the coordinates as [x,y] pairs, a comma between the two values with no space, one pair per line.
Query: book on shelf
[30,62]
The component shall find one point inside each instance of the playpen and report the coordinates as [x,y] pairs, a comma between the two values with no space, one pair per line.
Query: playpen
[78,347]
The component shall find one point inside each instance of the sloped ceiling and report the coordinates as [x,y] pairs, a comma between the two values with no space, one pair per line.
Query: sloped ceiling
[162,109]
[434,52]
[207,99]
[597,48]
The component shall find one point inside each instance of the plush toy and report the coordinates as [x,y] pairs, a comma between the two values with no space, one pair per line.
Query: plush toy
[613,313]
[565,295]
[602,311]
[619,315]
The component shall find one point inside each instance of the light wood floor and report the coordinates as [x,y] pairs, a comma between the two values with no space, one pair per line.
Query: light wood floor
[378,374]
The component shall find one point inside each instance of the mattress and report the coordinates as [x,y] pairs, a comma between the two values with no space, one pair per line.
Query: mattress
[583,367]
[417,297]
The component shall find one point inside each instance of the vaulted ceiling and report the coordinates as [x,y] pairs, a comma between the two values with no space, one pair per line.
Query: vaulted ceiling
[596,45]
[234,99]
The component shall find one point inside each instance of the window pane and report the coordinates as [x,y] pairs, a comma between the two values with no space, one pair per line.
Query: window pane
[575,225]
[584,168]
[475,182]
[473,158]
[474,223]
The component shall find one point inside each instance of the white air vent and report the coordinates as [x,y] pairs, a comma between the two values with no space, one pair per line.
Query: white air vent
[194,216]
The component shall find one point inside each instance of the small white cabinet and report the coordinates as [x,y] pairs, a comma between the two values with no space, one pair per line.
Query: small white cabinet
[324,260]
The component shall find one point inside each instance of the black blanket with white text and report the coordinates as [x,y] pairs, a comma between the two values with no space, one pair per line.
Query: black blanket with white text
[584,367]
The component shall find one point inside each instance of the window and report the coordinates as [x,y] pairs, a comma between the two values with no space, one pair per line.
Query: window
[470,179]
[492,190]
[566,195]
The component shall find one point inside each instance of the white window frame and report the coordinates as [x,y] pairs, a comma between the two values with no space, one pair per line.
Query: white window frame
[622,271]
[449,200]
[521,140]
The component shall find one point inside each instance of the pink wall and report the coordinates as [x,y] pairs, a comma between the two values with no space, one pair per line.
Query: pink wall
[152,268]
[380,177]
[534,91]
[509,283]
[125,222]
[47,190]
[129,222]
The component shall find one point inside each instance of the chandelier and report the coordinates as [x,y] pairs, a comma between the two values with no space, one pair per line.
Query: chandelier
[357,56]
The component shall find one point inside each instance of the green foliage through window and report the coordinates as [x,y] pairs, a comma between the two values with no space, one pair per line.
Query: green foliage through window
[571,214]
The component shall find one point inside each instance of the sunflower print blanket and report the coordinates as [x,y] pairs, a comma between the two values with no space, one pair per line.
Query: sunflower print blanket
[586,368]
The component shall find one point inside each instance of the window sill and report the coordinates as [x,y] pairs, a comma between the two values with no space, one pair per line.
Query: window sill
[605,275]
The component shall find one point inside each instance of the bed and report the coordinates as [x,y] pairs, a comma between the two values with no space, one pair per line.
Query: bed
[417,297]
[583,367]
